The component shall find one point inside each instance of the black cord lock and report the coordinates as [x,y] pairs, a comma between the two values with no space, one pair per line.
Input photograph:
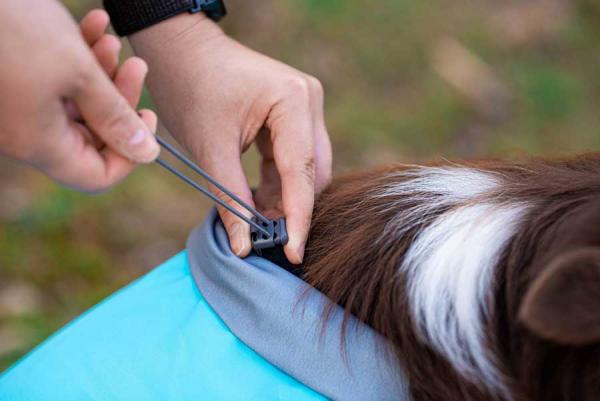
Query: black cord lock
[277,235]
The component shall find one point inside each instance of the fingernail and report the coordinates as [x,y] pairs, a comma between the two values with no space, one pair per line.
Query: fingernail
[234,239]
[300,252]
[138,137]
[143,147]
[244,239]
[241,238]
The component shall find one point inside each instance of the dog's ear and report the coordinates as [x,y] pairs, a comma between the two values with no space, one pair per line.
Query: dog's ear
[563,303]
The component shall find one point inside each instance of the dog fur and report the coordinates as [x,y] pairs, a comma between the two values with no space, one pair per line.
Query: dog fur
[484,276]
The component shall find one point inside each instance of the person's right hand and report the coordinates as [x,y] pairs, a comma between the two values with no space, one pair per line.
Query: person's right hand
[217,97]
[59,111]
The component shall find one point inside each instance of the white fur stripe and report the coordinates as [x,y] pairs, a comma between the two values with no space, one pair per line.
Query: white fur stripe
[450,271]
[450,265]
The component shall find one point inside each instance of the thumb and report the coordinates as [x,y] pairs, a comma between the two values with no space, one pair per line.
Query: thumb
[294,155]
[226,168]
[109,116]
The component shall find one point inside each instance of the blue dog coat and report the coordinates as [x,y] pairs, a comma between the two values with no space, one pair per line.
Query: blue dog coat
[207,325]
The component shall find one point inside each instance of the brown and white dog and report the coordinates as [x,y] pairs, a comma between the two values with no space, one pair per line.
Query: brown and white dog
[485,277]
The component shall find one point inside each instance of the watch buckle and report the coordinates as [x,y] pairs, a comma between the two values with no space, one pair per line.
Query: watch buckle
[203,5]
[196,6]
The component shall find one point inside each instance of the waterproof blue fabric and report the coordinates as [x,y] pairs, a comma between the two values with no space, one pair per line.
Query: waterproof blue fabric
[155,340]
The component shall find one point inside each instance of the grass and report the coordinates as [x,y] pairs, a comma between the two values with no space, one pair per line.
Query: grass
[385,102]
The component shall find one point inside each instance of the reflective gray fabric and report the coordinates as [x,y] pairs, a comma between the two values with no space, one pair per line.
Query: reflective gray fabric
[279,316]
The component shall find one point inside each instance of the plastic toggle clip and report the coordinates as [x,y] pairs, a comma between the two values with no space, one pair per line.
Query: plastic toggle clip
[277,235]
[265,233]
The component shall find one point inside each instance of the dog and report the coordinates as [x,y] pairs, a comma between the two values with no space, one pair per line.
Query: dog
[483,276]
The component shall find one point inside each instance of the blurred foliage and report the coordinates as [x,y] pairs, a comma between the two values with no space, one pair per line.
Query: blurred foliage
[405,81]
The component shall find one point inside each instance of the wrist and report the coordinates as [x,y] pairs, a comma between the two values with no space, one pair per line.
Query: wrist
[169,32]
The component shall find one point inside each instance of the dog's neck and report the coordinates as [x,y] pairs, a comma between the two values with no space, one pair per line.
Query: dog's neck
[442,261]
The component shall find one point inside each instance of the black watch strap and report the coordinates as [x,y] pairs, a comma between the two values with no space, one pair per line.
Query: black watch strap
[130,16]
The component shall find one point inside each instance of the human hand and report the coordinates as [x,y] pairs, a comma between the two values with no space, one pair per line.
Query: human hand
[59,111]
[217,97]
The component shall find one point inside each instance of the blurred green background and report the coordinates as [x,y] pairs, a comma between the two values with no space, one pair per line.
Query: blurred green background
[405,81]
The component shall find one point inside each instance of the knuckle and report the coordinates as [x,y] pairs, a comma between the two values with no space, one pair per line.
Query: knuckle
[229,201]
[316,86]
[223,196]
[83,74]
[115,118]
[305,169]
[308,169]
[298,86]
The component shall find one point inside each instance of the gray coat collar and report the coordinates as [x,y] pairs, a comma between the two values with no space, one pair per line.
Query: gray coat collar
[279,316]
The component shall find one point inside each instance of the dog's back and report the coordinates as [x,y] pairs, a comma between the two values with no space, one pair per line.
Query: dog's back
[484,276]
